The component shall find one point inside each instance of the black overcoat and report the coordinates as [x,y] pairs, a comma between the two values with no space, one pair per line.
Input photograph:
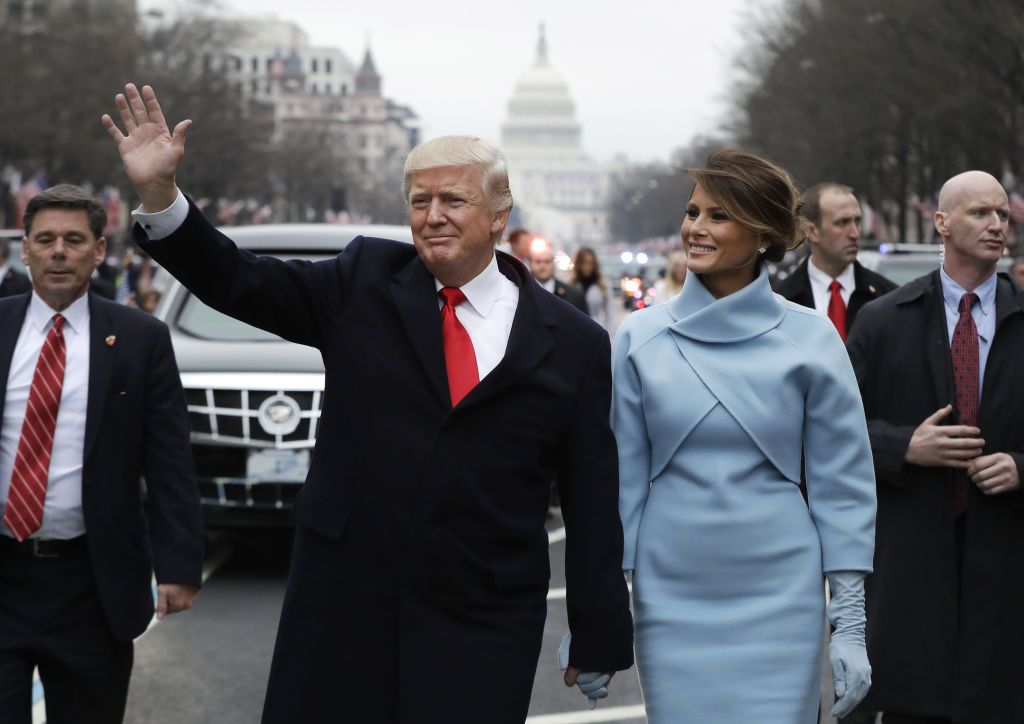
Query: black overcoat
[940,645]
[417,590]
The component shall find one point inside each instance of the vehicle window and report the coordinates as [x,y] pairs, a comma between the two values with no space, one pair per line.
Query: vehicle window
[199,320]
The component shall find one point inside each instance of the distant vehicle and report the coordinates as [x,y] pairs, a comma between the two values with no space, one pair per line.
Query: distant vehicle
[254,400]
[905,262]
[13,237]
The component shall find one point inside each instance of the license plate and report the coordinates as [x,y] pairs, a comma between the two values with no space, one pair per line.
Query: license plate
[277,466]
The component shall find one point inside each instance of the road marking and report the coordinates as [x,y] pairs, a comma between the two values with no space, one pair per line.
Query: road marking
[557,535]
[615,713]
[219,557]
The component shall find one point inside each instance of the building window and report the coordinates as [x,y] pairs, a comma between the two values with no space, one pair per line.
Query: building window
[327,89]
[269,62]
[255,64]
[327,65]
[344,89]
[15,10]
[255,86]
[313,65]
[40,9]
[314,89]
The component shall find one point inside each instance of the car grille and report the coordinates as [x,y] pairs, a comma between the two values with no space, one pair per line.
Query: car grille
[231,417]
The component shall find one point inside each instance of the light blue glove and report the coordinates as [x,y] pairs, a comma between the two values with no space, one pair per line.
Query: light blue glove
[593,685]
[851,672]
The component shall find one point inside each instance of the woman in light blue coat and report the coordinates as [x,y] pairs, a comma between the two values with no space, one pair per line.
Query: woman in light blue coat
[716,395]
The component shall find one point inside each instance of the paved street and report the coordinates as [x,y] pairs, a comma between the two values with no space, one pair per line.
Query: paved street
[211,664]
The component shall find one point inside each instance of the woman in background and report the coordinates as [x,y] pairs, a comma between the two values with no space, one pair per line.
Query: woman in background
[672,283]
[716,394]
[587,276]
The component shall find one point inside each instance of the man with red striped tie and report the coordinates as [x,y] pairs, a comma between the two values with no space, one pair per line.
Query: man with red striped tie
[831,279]
[91,403]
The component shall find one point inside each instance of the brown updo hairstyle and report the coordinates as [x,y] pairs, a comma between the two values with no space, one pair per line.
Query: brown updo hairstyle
[756,193]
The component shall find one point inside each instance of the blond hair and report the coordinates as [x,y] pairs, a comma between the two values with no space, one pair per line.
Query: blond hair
[446,151]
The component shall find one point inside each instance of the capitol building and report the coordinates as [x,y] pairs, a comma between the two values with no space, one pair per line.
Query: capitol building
[560,192]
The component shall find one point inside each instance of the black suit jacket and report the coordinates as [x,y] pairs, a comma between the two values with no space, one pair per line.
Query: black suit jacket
[571,294]
[136,426]
[868,286]
[952,657]
[14,282]
[421,556]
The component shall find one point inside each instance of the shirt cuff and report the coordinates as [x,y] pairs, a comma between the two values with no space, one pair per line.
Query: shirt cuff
[163,223]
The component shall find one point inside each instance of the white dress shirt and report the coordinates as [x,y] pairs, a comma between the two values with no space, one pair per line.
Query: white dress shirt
[549,285]
[983,313]
[487,313]
[62,511]
[820,282]
[4,267]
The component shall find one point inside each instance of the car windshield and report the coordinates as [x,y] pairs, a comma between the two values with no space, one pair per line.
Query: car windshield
[199,320]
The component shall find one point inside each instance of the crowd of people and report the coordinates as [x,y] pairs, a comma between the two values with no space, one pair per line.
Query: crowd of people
[734,449]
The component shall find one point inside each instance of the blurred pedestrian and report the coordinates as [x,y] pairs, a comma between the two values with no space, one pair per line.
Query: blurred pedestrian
[939,366]
[675,274]
[519,241]
[149,300]
[587,276]
[12,281]
[92,403]
[715,395]
[542,267]
[456,390]
[1017,272]
[831,279]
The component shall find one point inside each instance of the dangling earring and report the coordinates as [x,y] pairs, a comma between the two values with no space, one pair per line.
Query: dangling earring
[762,250]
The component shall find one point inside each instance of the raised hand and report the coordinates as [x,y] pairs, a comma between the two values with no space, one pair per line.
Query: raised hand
[149,151]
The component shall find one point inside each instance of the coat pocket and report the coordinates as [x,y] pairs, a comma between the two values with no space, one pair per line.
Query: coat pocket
[321,516]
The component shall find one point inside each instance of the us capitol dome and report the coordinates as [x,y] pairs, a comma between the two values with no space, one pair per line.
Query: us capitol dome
[559,191]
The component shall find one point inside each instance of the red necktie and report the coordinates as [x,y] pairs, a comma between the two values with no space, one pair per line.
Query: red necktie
[837,308]
[966,373]
[459,356]
[27,493]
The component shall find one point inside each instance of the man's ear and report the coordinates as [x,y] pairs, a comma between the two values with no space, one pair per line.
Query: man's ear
[942,223]
[811,232]
[499,221]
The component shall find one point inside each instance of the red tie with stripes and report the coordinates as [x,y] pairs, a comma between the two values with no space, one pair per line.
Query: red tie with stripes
[459,355]
[27,493]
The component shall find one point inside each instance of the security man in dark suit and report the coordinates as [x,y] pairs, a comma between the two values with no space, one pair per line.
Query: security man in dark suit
[542,267]
[91,403]
[939,367]
[11,281]
[831,279]
[456,390]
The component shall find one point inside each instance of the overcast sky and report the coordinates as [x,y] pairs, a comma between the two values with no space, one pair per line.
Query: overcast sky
[646,75]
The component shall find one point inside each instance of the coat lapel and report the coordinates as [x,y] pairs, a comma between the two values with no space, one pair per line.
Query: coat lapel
[101,365]
[863,292]
[11,320]
[804,295]
[528,343]
[416,300]
[1007,304]
[937,342]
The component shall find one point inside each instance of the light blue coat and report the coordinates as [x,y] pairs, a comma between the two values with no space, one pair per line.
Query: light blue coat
[714,402]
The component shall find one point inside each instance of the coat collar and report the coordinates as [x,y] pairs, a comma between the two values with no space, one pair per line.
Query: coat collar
[414,291]
[748,313]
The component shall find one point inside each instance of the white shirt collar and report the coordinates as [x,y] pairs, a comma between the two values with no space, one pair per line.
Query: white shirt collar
[549,285]
[482,290]
[76,316]
[4,268]
[818,277]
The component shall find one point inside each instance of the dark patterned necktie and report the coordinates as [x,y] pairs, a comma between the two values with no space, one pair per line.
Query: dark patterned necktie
[966,378]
